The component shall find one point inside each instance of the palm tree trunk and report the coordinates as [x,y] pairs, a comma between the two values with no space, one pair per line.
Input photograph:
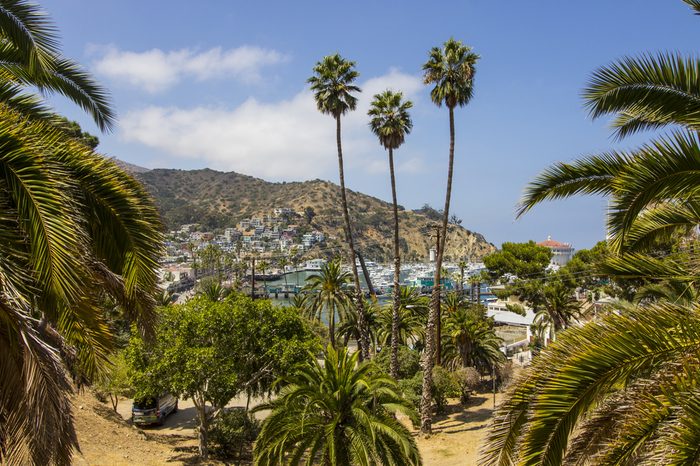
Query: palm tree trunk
[394,365]
[432,347]
[331,323]
[362,321]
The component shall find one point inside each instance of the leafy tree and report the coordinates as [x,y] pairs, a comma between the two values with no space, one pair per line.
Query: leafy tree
[71,222]
[333,88]
[213,351]
[390,122]
[309,214]
[74,130]
[115,381]
[451,69]
[524,260]
[336,413]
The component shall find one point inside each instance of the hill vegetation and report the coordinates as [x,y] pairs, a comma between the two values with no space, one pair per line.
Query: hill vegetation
[217,200]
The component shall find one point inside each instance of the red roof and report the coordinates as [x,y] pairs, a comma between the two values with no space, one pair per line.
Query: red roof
[550,243]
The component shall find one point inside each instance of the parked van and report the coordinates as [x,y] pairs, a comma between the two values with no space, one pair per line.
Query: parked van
[148,411]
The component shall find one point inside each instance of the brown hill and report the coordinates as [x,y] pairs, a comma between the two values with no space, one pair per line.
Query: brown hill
[218,200]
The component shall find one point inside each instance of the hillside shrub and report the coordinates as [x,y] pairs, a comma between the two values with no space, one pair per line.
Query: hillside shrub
[233,433]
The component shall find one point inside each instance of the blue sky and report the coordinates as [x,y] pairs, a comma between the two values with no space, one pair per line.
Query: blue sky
[221,84]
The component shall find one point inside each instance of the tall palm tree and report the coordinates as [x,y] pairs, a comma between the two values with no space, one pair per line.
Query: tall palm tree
[390,122]
[451,70]
[333,88]
[328,293]
[349,324]
[337,413]
[71,222]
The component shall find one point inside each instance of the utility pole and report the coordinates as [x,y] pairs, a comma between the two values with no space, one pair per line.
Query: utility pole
[252,279]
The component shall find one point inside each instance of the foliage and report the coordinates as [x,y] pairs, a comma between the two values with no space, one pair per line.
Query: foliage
[409,362]
[444,386]
[611,391]
[413,313]
[467,379]
[470,339]
[114,382]
[71,222]
[232,431]
[622,389]
[328,293]
[212,351]
[519,259]
[339,413]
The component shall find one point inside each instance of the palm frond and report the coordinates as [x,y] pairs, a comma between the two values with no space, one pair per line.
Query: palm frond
[647,92]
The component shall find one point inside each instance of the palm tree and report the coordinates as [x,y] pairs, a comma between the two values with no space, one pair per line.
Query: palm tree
[337,413]
[558,307]
[451,69]
[349,324]
[462,265]
[333,89]
[470,340]
[623,389]
[619,390]
[282,263]
[413,314]
[71,222]
[391,123]
[328,293]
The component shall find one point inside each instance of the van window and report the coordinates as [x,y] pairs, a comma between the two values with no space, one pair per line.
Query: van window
[145,403]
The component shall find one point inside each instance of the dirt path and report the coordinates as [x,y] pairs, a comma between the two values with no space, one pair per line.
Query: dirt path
[458,434]
[108,439]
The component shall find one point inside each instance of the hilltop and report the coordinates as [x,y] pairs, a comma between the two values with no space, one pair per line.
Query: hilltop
[217,200]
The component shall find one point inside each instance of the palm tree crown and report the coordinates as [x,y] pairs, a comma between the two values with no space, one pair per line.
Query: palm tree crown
[390,120]
[451,69]
[332,85]
[329,293]
[336,413]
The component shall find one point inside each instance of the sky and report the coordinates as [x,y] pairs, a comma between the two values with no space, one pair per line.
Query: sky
[222,84]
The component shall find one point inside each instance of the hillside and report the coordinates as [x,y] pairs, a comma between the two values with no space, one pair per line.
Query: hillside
[217,200]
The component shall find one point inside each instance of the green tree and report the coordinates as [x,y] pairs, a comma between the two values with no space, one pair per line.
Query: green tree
[524,260]
[115,382]
[71,222]
[470,340]
[328,293]
[451,70]
[336,413]
[333,88]
[413,314]
[213,351]
[391,122]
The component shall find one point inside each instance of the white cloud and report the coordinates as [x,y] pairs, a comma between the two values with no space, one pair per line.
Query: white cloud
[287,140]
[156,70]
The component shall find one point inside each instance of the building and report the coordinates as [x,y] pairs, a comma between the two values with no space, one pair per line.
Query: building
[561,252]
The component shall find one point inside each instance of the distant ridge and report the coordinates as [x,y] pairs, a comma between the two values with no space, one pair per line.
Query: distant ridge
[130,167]
[218,200]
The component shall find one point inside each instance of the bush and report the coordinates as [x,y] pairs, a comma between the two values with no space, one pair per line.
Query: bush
[444,386]
[467,379]
[409,361]
[233,430]
[504,374]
